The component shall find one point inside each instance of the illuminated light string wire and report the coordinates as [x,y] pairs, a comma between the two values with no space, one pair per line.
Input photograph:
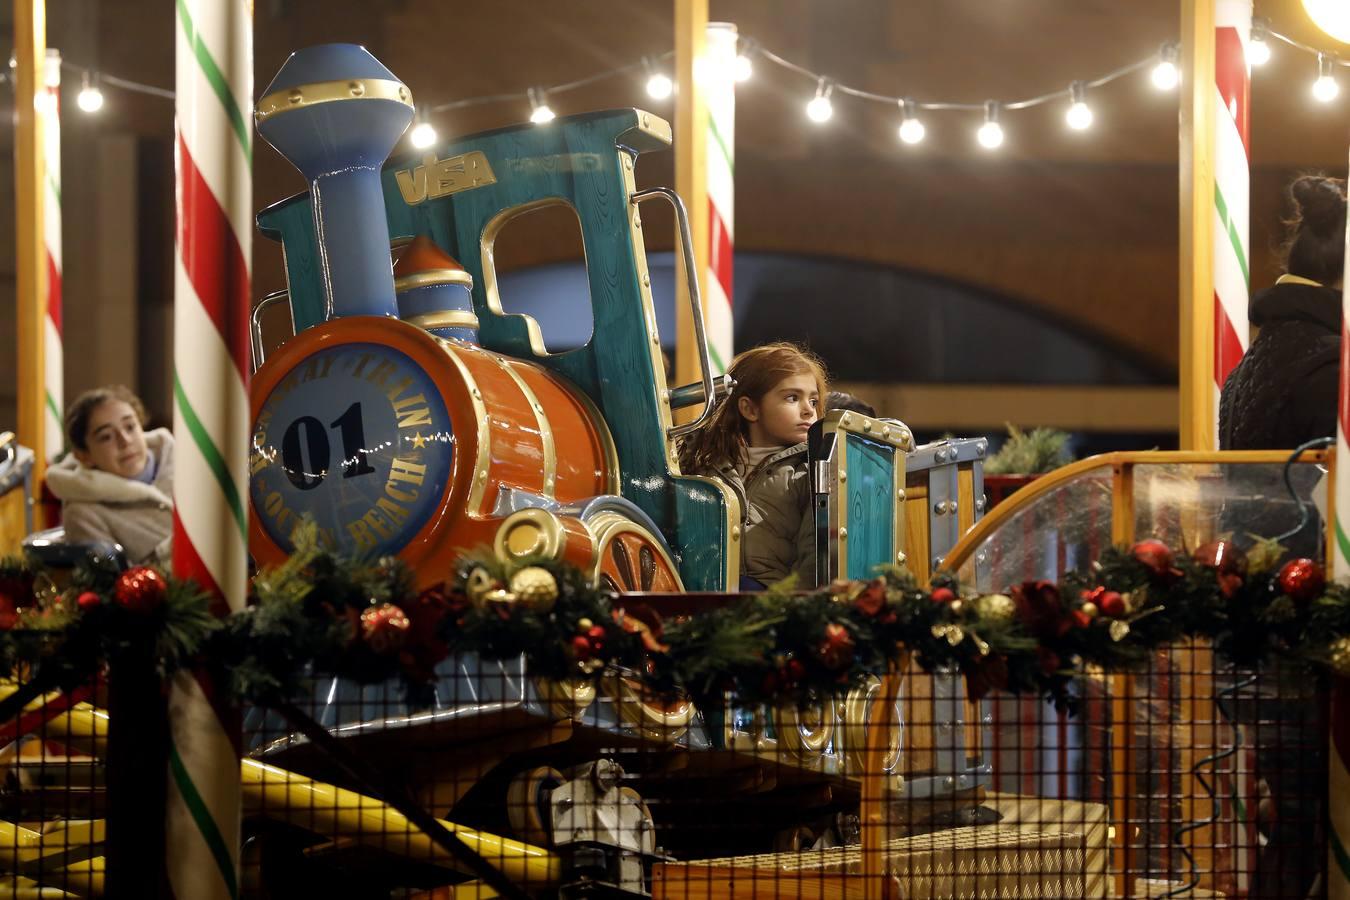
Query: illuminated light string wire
[819,106]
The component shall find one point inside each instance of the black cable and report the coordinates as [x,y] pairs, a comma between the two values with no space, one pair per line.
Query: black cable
[1303,505]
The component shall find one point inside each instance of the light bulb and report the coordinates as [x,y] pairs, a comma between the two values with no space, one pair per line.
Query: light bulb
[1258,51]
[1332,16]
[1325,87]
[820,108]
[659,86]
[743,68]
[423,135]
[912,131]
[1079,116]
[990,134]
[1165,74]
[542,114]
[90,99]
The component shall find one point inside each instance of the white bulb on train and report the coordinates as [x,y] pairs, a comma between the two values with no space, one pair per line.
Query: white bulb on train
[912,131]
[542,114]
[423,135]
[659,86]
[990,135]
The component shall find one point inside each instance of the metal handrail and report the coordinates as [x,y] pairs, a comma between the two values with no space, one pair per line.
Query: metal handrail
[1116,461]
[255,324]
[695,306]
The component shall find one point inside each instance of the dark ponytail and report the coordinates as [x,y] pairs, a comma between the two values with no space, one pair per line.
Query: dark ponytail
[1315,247]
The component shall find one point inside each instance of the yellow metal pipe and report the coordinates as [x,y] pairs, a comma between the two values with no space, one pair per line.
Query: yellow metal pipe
[339,813]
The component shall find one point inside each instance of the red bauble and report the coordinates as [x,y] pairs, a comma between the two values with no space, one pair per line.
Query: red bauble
[1302,579]
[793,671]
[835,652]
[384,627]
[581,647]
[1111,603]
[140,590]
[1157,558]
[872,599]
[88,600]
[943,595]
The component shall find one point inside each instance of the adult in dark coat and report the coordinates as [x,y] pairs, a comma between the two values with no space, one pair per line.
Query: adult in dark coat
[1282,394]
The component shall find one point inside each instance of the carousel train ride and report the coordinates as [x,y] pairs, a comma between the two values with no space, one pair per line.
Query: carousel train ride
[409,414]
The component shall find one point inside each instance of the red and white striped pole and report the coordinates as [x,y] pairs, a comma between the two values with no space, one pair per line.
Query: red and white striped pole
[1232,144]
[53,355]
[721,156]
[214,107]
[1338,769]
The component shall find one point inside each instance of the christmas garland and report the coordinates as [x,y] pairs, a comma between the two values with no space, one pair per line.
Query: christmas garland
[321,613]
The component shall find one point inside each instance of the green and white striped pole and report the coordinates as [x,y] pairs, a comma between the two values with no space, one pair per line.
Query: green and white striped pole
[53,354]
[214,106]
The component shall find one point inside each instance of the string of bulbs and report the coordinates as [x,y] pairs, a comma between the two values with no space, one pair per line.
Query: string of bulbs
[819,108]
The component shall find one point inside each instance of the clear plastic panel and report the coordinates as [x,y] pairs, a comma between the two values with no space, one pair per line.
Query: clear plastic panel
[1182,504]
[1059,531]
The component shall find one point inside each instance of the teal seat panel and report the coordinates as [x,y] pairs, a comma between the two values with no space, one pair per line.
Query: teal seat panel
[870,494]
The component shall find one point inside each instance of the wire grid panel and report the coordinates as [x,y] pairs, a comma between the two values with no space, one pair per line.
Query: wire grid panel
[565,790]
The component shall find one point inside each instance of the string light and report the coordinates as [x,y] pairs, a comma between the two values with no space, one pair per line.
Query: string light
[744,68]
[423,135]
[1079,115]
[911,129]
[659,85]
[1332,16]
[820,108]
[990,134]
[90,98]
[539,111]
[1165,75]
[1325,87]
[1258,48]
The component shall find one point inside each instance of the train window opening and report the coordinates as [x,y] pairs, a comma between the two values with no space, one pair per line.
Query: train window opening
[545,234]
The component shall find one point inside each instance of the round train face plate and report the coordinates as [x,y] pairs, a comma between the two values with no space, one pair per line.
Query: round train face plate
[357,437]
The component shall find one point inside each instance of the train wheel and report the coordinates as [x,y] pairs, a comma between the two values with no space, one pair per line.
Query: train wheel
[794,840]
[527,801]
[855,714]
[630,558]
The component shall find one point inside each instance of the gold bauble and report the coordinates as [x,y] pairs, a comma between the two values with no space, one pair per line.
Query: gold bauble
[535,587]
[957,606]
[1090,610]
[500,598]
[1338,656]
[999,607]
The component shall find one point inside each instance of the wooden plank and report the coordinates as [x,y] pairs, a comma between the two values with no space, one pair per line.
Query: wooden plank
[691,170]
[1196,225]
[30,39]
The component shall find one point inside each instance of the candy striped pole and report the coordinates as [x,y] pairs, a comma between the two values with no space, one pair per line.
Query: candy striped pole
[214,106]
[1232,78]
[721,93]
[51,226]
[1338,786]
